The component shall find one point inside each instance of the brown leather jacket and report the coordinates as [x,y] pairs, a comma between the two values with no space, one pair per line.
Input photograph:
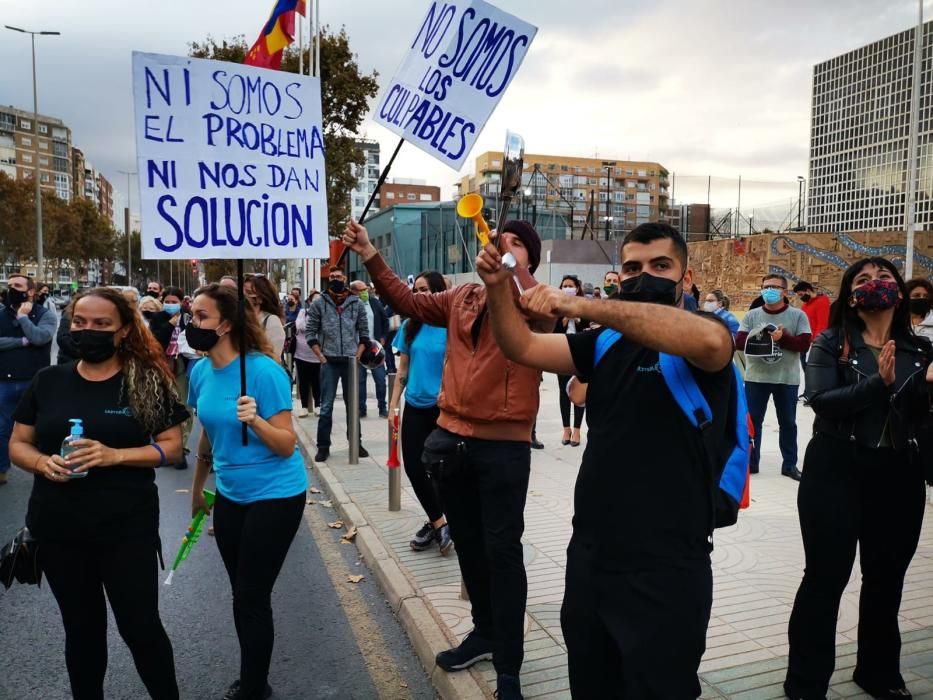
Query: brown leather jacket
[483,395]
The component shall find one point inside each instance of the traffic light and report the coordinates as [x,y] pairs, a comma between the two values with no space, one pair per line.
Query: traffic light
[194,267]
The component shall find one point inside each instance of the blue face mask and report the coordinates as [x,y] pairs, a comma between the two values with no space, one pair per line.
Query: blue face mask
[772,296]
[171,309]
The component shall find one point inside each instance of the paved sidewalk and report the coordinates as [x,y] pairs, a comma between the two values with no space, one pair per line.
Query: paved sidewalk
[757,568]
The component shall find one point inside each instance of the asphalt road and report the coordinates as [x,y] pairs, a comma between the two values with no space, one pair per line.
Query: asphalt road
[334,639]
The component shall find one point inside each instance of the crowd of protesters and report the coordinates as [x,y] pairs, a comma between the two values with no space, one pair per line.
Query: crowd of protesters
[638,592]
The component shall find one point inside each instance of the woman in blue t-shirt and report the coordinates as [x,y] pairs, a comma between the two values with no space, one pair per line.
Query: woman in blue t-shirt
[421,363]
[260,486]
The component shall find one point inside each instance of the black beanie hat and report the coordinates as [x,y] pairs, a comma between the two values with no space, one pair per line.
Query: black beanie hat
[527,234]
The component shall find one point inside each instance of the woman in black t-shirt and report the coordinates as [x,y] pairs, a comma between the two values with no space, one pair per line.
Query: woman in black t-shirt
[96,513]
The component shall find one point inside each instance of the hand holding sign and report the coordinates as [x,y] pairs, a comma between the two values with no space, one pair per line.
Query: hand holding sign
[356,238]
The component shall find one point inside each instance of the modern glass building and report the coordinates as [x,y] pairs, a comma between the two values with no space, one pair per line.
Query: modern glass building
[860,120]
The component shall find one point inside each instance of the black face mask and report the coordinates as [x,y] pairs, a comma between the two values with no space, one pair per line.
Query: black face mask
[94,346]
[804,297]
[148,314]
[42,297]
[15,297]
[201,339]
[337,286]
[152,293]
[919,307]
[650,289]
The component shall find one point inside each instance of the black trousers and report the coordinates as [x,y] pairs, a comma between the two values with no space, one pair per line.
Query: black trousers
[83,577]
[309,382]
[578,411]
[417,424]
[485,504]
[853,495]
[253,540]
[637,635]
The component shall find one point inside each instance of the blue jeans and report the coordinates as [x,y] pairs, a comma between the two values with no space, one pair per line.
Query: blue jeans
[379,377]
[10,394]
[785,404]
[333,371]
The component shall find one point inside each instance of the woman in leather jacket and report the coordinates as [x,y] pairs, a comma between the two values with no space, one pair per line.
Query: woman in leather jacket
[868,381]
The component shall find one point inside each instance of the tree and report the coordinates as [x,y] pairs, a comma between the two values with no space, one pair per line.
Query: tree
[17,220]
[345,94]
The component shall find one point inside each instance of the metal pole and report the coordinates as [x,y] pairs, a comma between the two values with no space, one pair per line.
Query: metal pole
[40,256]
[395,473]
[799,202]
[353,409]
[738,210]
[910,214]
[608,171]
[317,41]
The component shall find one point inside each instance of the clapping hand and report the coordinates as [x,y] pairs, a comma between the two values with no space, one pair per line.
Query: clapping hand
[886,363]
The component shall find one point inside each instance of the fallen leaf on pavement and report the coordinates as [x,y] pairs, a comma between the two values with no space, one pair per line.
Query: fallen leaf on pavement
[403,685]
[326,504]
[349,536]
[336,525]
[314,490]
[354,578]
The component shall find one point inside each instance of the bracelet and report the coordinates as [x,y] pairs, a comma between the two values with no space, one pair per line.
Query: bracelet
[38,459]
[162,460]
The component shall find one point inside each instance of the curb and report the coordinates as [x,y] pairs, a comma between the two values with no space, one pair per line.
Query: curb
[428,634]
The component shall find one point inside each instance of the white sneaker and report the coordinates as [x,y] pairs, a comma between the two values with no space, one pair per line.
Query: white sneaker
[303,412]
[317,411]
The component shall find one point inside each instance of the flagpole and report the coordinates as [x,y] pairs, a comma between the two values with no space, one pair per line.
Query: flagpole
[317,42]
[301,45]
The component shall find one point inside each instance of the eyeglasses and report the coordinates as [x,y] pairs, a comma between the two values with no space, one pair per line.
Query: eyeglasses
[773,286]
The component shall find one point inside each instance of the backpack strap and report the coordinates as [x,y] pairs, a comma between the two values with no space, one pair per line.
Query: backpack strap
[687,394]
[606,340]
[735,474]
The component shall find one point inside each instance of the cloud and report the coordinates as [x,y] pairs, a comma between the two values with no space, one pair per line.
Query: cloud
[716,87]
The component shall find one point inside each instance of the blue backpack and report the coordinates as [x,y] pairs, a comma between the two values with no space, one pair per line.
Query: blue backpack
[731,478]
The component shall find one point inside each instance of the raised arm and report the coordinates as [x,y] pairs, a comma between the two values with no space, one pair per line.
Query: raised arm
[549,352]
[41,333]
[432,309]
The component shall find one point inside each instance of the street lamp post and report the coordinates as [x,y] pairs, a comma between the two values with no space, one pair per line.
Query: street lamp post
[40,256]
[126,228]
[799,202]
[607,164]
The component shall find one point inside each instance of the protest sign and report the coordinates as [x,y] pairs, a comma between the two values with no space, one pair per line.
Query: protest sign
[462,59]
[231,160]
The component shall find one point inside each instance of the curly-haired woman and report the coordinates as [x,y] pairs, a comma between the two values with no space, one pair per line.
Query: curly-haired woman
[97,512]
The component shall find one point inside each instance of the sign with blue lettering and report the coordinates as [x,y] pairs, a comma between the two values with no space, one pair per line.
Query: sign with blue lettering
[463,58]
[231,160]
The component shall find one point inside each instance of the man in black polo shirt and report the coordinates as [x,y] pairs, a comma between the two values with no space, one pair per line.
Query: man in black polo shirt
[26,332]
[639,583]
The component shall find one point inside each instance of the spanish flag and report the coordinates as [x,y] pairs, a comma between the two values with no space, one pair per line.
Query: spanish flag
[278,32]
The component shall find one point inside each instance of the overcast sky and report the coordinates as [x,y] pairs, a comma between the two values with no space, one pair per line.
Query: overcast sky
[718,87]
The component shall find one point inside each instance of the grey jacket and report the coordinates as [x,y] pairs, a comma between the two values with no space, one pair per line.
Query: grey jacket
[337,332]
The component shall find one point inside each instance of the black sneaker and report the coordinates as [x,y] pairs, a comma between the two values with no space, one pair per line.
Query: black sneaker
[472,649]
[363,452]
[383,413]
[233,692]
[323,454]
[423,538]
[508,687]
[442,535]
[536,444]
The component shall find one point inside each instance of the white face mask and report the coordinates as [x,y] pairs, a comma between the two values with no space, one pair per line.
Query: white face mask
[570,291]
[710,307]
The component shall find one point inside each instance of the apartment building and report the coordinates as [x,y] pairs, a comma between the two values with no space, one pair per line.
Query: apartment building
[24,143]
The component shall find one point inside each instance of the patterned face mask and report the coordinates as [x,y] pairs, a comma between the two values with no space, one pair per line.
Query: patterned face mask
[875,295]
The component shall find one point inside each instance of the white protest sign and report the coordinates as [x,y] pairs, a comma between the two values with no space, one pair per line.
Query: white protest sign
[231,160]
[463,58]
